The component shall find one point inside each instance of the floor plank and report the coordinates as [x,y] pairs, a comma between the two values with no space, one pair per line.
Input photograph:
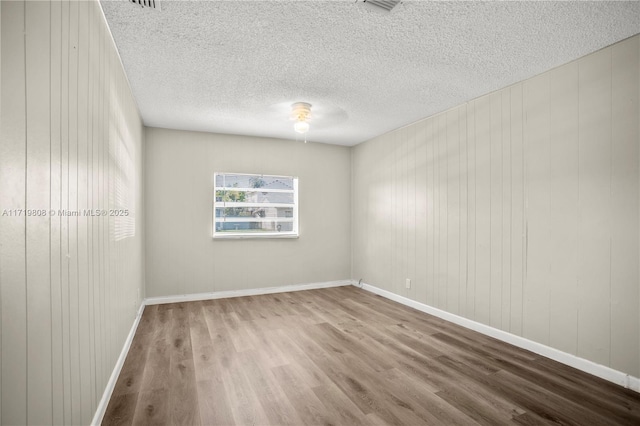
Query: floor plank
[343,356]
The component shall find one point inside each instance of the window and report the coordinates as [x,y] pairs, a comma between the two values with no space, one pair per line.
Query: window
[255,206]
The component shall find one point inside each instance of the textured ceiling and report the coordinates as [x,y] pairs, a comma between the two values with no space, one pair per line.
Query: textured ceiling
[237,66]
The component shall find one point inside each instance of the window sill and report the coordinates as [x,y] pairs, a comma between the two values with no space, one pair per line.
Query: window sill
[254,236]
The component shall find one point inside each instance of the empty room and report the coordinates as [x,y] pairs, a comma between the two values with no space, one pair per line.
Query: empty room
[339,212]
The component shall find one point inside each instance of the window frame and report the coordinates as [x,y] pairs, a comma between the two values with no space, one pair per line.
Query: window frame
[294,233]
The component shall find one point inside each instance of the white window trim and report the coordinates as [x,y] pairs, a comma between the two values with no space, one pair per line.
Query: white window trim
[257,235]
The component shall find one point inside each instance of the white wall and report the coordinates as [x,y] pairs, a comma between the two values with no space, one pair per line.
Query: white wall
[69,286]
[518,209]
[182,256]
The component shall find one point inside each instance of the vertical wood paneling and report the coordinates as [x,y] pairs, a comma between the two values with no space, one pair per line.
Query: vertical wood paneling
[435,202]
[401,212]
[98,114]
[495,208]
[380,184]
[39,391]
[421,191]
[57,376]
[72,222]
[625,288]
[563,130]
[108,182]
[531,200]
[402,234]
[453,209]
[506,204]
[398,248]
[412,201]
[518,229]
[594,256]
[13,272]
[0,227]
[483,210]
[463,210]
[86,409]
[443,218]
[431,213]
[64,320]
[376,228]
[436,190]
[471,209]
[64,205]
[538,202]
[395,207]
[91,194]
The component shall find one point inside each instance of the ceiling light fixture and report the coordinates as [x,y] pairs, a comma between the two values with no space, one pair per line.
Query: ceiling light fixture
[301,113]
[301,127]
[379,5]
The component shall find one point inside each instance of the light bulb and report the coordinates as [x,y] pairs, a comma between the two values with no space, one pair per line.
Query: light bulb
[301,127]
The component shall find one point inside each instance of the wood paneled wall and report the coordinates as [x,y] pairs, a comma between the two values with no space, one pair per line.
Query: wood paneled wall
[71,140]
[518,209]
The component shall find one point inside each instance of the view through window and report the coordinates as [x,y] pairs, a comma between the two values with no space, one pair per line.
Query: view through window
[248,205]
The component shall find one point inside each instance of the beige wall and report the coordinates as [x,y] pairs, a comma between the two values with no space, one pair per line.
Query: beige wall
[518,209]
[69,286]
[182,256]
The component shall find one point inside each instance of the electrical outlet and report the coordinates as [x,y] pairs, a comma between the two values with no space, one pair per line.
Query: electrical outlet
[407,283]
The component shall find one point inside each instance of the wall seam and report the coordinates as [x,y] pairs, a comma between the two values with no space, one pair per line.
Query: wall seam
[1,286]
[577,318]
[26,176]
[50,206]
[611,143]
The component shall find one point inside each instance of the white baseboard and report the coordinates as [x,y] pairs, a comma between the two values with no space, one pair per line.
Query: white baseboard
[582,364]
[111,384]
[245,292]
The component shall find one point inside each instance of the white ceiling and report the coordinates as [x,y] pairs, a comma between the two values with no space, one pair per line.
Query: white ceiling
[237,66]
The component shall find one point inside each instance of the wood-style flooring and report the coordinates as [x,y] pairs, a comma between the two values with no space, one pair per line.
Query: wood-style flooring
[343,356]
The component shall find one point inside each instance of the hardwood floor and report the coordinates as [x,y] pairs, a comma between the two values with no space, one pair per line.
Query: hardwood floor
[343,356]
